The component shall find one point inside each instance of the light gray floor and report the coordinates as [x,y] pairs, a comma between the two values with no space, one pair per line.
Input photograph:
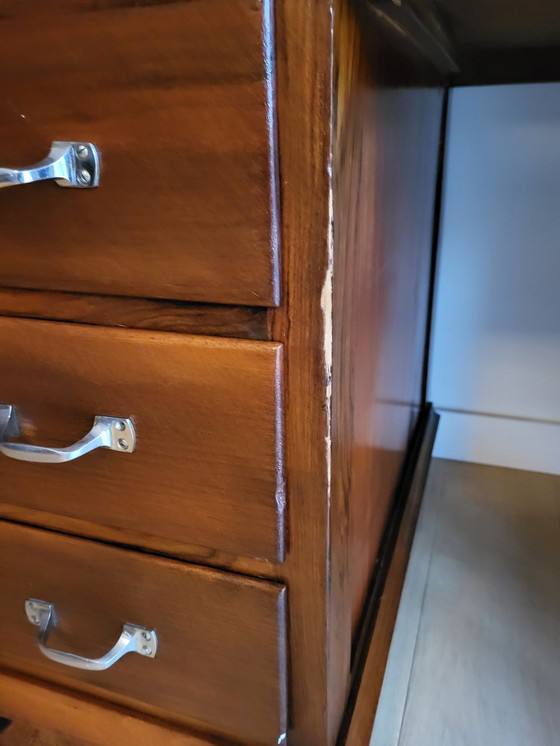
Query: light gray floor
[475,658]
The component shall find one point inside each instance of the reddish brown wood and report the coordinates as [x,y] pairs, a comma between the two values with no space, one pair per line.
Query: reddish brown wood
[388,118]
[358,152]
[318,669]
[323,588]
[208,465]
[221,660]
[136,313]
[178,97]
[50,716]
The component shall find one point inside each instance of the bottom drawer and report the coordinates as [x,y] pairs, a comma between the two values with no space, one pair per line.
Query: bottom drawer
[220,660]
[42,715]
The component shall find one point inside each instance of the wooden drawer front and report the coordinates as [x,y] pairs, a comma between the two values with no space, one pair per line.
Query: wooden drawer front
[177,96]
[207,466]
[36,714]
[220,662]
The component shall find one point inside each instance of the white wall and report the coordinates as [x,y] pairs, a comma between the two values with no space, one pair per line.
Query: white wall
[495,362]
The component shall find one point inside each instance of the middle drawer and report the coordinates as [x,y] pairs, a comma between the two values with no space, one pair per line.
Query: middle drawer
[207,466]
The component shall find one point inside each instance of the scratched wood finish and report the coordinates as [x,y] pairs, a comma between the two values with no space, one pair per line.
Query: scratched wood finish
[388,122]
[207,469]
[221,659]
[136,313]
[49,716]
[316,567]
[319,657]
[318,423]
[178,97]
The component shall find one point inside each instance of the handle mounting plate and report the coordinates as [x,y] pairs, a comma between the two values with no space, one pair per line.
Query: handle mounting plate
[133,639]
[69,164]
[115,433]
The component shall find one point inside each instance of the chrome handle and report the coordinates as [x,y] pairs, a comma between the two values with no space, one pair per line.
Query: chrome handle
[133,639]
[107,432]
[70,164]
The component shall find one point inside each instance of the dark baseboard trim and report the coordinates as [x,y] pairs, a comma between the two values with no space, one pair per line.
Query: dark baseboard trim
[375,631]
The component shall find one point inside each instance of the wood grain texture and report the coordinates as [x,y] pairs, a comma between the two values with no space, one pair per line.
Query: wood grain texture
[388,122]
[485,665]
[318,254]
[319,656]
[139,540]
[386,589]
[329,446]
[50,716]
[136,313]
[221,660]
[207,469]
[178,96]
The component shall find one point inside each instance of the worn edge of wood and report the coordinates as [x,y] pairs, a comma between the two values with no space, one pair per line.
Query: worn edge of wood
[304,64]
[373,638]
[20,694]
[243,322]
[269,46]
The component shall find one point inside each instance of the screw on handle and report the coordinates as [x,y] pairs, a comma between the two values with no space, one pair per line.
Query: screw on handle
[115,433]
[133,639]
[69,164]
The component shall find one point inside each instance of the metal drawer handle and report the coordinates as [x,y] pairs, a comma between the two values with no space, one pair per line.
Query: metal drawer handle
[70,164]
[133,639]
[107,432]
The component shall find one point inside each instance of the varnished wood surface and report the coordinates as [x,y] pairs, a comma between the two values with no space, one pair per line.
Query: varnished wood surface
[136,313]
[49,716]
[388,123]
[126,537]
[385,593]
[207,469]
[319,655]
[319,428]
[178,98]
[320,442]
[486,641]
[220,663]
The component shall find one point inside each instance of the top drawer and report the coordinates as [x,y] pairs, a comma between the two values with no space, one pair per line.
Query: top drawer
[177,96]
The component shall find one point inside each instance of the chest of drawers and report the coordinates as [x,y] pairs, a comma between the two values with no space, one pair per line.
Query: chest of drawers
[246,295]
